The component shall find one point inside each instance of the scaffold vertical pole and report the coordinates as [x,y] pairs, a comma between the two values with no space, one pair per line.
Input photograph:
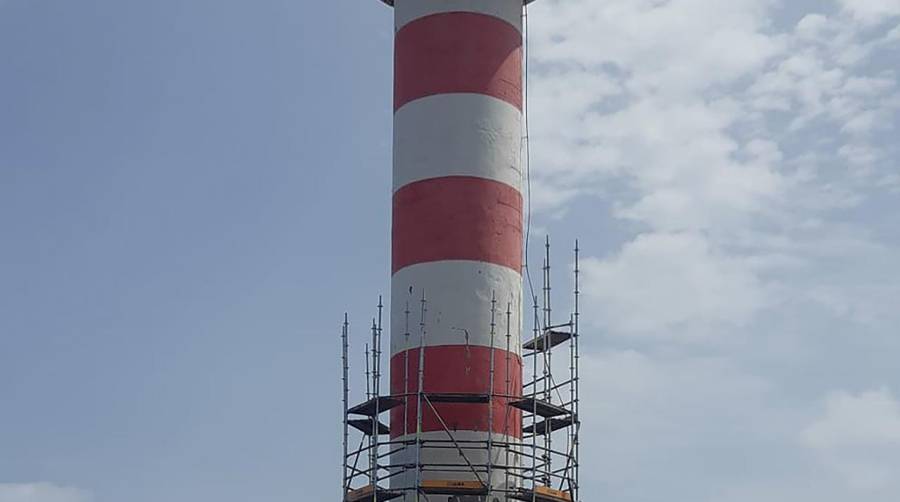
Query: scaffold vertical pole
[577,382]
[406,371]
[368,375]
[534,396]
[345,344]
[419,394]
[508,393]
[490,427]
[548,361]
[373,438]
[376,423]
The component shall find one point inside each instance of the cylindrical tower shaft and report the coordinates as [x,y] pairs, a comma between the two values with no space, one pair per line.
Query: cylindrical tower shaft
[457,224]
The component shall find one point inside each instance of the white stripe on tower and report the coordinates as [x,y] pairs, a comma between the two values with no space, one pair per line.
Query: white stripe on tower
[476,136]
[450,456]
[459,298]
[457,216]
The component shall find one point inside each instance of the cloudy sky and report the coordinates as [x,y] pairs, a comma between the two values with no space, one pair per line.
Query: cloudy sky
[192,193]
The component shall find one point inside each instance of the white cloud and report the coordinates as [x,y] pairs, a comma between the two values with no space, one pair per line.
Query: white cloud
[652,408]
[659,394]
[41,492]
[647,38]
[701,118]
[859,436]
[893,36]
[747,155]
[872,11]
[606,86]
[647,89]
[871,418]
[662,282]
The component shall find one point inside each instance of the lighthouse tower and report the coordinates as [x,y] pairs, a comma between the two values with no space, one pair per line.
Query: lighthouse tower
[457,228]
[462,427]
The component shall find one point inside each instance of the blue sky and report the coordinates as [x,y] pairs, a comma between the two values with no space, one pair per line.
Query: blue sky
[192,193]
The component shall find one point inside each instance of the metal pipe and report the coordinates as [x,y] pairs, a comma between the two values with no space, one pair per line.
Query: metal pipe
[345,335]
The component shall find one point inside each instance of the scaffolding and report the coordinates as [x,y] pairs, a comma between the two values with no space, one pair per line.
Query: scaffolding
[541,466]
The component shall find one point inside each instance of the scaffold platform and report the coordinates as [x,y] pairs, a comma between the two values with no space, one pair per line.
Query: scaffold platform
[540,407]
[542,494]
[549,339]
[366,426]
[458,398]
[550,425]
[378,404]
[371,493]
[471,488]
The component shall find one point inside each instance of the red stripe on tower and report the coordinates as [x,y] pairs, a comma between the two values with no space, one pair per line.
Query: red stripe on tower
[457,218]
[457,370]
[458,52]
